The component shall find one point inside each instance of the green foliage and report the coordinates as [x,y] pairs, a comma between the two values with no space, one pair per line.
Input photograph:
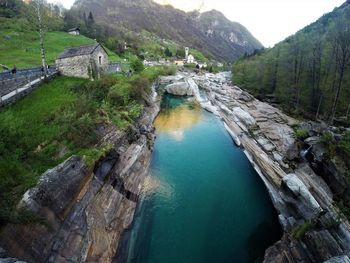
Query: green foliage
[344,143]
[137,65]
[28,141]
[326,138]
[306,73]
[11,8]
[301,134]
[300,231]
[344,209]
[58,120]
[20,47]
[168,53]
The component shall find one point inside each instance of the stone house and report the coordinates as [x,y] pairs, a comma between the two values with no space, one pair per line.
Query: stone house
[190,59]
[88,61]
[74,31]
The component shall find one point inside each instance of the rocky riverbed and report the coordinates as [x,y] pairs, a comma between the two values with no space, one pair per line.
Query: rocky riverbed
[314,229]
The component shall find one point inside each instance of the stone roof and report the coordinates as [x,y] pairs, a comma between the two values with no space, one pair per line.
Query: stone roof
[79,51]
[74,29]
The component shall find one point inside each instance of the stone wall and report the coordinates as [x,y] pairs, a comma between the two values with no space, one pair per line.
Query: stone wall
[74,66]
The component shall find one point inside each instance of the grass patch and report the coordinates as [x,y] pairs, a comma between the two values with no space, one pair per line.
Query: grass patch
[301,134]
[300,231]
[28,144]
[20,46]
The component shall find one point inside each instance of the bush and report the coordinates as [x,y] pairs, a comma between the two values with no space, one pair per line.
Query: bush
[137,65]
[140,87]
[300,231]
[119,94]
[344,143]
[301,134]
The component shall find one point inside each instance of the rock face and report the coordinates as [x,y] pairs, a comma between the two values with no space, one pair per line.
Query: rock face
[86,210]
[303,200]
[313,230]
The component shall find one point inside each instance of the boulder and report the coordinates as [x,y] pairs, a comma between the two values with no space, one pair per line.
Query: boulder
[179,89]
[57,187]
[266,144]
[312,140]
[340,259]
[244,117]
[300,197]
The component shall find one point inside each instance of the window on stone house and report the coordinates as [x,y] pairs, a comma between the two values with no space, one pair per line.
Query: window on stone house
[100,60]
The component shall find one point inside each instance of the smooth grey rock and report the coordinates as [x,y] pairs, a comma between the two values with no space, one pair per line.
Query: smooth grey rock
[266,144]
[340,259]
[302,199]
[57,187]
[312,140]
[8,260]
[179,89]
[244,117]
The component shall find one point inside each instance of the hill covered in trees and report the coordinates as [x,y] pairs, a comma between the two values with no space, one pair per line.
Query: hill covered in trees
[308,73]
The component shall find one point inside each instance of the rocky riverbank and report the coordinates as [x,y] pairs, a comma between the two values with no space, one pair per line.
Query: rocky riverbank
[86,210]
[314,229]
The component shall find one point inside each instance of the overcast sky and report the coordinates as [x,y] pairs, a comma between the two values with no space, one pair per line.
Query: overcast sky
[270,21]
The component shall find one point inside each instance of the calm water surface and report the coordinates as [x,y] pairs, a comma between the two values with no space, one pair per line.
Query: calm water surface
[203,201]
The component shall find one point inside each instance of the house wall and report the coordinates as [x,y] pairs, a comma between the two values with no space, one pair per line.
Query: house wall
[100,52]
[75,33]
[78,66]
[74,66]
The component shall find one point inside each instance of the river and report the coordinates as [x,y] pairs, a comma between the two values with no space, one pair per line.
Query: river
[203,202]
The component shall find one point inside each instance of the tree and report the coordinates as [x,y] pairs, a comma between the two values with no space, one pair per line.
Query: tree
[168,53]
[340,36]
[10,8]
[180,53]
[38,15]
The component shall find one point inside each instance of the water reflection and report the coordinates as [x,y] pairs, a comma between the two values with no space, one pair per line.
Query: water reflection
[176,118]
[153,184]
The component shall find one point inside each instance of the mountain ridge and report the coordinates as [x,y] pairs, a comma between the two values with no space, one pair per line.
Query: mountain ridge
[210,32]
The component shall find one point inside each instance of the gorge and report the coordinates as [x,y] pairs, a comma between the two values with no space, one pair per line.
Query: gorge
[88,216]
[206,204]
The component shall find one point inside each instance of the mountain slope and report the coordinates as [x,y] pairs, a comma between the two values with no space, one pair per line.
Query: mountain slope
[309,72]
[227,40]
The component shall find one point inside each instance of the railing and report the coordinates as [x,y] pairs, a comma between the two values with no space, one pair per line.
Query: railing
[116,67]
[14,86]
[37,71]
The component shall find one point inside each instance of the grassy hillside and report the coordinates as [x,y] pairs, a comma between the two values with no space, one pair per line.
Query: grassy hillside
[308,74]
[19,46]
[58,120]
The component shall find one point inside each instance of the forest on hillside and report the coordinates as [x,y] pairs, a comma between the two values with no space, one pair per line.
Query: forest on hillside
[308,74]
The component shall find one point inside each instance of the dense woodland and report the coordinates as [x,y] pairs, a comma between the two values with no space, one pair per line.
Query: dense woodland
[308,74]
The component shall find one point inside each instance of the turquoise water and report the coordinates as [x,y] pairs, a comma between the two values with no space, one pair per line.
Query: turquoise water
[205,203]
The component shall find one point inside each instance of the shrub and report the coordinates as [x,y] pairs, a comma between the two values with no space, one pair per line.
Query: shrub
[140,87]
[300,231]
[301,134]
[119,94]
[137,65]
[344,143]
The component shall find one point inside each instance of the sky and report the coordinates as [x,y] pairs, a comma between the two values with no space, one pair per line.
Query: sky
[270,21]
